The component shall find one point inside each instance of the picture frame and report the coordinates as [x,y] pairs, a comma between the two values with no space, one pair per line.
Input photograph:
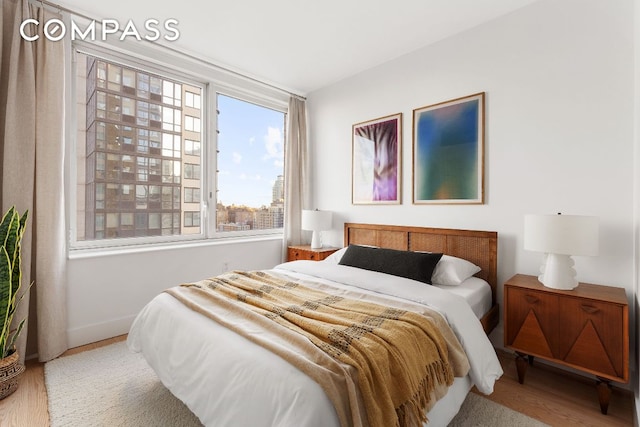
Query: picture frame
[448,152]
[376,161]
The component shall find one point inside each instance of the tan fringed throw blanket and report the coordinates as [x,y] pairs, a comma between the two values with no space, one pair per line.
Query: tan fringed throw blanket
[401,358]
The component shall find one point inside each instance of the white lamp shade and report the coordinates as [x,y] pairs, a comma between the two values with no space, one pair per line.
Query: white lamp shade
[316,220]
[561,234]
[560,237]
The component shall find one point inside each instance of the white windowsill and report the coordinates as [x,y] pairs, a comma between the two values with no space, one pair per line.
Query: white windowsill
[132,249]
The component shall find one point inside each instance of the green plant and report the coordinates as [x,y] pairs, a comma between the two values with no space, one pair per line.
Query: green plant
[11,231]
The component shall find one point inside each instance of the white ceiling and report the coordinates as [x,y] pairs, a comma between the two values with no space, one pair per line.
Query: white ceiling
[303,45]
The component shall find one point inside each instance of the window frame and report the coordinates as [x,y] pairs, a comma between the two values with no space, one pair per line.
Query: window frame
[211,82]
[254,99]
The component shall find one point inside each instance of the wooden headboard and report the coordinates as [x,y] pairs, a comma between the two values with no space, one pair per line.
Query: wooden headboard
[479,247]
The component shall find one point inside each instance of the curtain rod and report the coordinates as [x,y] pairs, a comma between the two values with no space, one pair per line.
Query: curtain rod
[184,54]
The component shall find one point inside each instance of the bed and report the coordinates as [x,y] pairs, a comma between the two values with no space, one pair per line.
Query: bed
[228,380]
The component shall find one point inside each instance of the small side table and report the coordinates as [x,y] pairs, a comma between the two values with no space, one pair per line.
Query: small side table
[586,328]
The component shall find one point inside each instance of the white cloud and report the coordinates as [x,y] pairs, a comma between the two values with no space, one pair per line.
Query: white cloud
[237,157]
[245,177]
[273,144]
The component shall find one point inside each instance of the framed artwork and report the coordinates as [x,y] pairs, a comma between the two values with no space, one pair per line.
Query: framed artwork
[376,154]
[448,152]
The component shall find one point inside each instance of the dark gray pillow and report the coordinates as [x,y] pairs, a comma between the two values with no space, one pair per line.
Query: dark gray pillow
[411,265]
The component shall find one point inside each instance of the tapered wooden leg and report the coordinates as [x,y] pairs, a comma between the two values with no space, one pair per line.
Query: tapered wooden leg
[521,365]
[604,394]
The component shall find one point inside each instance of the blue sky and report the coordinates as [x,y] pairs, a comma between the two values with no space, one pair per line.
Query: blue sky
[251,144]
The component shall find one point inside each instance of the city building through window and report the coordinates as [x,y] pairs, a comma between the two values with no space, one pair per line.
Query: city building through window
[142,165]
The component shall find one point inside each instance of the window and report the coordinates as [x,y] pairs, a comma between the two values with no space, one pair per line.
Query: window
[191,195]
[191,148]
[150,168]
[191,171]
[192,219]
[192,100]
[192,124]
[132,155]
[250,166]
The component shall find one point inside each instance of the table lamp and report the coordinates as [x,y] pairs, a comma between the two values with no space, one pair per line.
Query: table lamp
[559,237]
[316,221]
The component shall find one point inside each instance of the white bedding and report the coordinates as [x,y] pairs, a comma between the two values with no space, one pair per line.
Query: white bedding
[227,380]
[475,291]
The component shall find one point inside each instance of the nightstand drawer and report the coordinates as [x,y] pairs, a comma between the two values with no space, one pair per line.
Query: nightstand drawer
[296,253]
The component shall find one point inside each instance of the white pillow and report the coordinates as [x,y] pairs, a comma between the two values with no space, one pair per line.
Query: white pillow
[451,271]
[335,257]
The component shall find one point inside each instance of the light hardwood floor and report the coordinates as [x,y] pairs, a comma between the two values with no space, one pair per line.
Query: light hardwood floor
[552,396]
[559,398]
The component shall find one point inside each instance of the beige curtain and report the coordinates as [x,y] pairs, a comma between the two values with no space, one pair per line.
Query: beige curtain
[32,167]
[296,175]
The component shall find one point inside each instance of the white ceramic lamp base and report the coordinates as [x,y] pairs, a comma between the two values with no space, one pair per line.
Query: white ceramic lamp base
[316,241]
[558,272]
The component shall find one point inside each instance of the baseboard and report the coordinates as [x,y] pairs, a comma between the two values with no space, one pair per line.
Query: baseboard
[98,331]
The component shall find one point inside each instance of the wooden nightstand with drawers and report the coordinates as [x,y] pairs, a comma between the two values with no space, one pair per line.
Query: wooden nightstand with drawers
[586,328]
[295,253]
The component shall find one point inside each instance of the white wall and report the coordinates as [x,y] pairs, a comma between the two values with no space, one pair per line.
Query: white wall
[558,77]
[105,293]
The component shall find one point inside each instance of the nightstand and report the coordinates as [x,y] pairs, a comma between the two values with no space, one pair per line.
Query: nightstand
[295,253]
[586,328]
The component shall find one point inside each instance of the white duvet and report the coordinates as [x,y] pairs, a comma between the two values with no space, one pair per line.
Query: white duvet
[227,380]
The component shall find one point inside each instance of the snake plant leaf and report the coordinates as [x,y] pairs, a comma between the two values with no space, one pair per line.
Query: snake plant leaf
[14,306]
[12,229]
[23,220]
[14,337]
[6,298]
[4,224]
[16,269]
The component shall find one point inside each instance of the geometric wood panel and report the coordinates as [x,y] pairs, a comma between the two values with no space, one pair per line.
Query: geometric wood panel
[605,319]
[589,352]
[531,337]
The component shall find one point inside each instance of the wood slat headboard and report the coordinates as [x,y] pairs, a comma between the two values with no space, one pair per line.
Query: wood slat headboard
[479,247]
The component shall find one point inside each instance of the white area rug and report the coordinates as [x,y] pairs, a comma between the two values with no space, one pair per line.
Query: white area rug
[110,386]
[476,411]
